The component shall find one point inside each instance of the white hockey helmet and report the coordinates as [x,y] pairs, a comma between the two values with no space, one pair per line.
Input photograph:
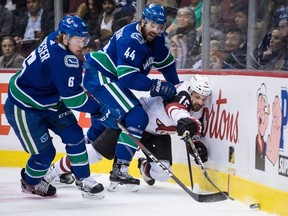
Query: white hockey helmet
[201,85]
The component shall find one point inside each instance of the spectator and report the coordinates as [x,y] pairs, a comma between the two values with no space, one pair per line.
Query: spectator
[216,59]
[265,43]
[6,20]
[36,23]
[186,25]
[234,39]
[178,48]
[241,18]
[236,49]
[280,12]
[217,56]
[228,11]
[275,56]
[10,58]
[262,25]
[111,19]
[90,12]
[196,6]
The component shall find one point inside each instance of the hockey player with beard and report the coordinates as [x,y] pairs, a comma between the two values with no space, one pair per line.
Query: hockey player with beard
[122,66]
[40,98]
[180,114]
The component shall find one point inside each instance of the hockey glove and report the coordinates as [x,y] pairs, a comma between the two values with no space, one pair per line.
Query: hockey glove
[107,117]
[202,151]
[190,124]
[164,89]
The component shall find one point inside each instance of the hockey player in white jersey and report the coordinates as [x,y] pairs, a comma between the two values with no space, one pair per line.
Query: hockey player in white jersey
[40,98]
[183,112]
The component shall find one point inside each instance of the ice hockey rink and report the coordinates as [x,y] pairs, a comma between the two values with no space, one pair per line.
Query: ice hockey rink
[162,199]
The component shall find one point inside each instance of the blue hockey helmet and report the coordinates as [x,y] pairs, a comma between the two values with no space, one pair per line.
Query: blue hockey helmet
[74,26]
[156,13]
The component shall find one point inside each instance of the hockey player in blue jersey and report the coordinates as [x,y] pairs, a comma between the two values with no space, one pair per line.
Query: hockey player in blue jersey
[40,98]
[123,65]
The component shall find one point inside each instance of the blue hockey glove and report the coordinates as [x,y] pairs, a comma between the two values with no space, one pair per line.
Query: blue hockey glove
[107,116]
[164,89]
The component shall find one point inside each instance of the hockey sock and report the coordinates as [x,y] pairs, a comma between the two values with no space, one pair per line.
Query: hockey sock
[63,165]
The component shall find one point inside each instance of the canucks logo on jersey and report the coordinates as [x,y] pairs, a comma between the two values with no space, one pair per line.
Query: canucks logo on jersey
[138,37]
[71,61]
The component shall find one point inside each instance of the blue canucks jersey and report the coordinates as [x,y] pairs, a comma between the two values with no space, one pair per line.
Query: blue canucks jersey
[129,59]
[50,74]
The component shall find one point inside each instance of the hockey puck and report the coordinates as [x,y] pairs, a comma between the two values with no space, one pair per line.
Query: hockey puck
[254,206]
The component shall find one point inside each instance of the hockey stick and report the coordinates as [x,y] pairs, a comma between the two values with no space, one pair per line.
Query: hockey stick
[189,141]
[198,197]
[189,167]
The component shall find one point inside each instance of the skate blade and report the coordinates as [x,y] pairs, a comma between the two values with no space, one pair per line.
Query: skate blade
[129,187]
[93,196]
[33,193]
[132,187]
[113,186]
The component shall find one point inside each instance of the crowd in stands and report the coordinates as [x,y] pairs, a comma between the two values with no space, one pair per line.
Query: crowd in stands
[24,24]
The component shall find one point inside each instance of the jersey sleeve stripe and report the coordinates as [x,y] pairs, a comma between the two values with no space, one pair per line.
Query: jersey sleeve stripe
[123,70]
[165,63]
[22,98]
[104,61]
[76,101]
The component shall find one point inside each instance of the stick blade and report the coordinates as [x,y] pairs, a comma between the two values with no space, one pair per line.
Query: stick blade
[214,197]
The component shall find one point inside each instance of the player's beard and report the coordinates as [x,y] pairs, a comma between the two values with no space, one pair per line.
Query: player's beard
[196,107]
[148,35]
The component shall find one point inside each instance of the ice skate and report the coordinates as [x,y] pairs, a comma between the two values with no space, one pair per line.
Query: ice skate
[65,178]
[90,188]
[42,189]
[143,167]
[52,176]
[120,175]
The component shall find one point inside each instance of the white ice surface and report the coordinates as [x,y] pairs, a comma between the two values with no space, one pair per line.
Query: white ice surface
[162,199]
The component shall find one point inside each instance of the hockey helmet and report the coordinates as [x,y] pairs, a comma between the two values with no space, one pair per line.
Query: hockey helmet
[74,26]
[201,85]
[156,13]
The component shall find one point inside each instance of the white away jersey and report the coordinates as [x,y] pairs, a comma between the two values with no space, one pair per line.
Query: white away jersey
[163,115]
